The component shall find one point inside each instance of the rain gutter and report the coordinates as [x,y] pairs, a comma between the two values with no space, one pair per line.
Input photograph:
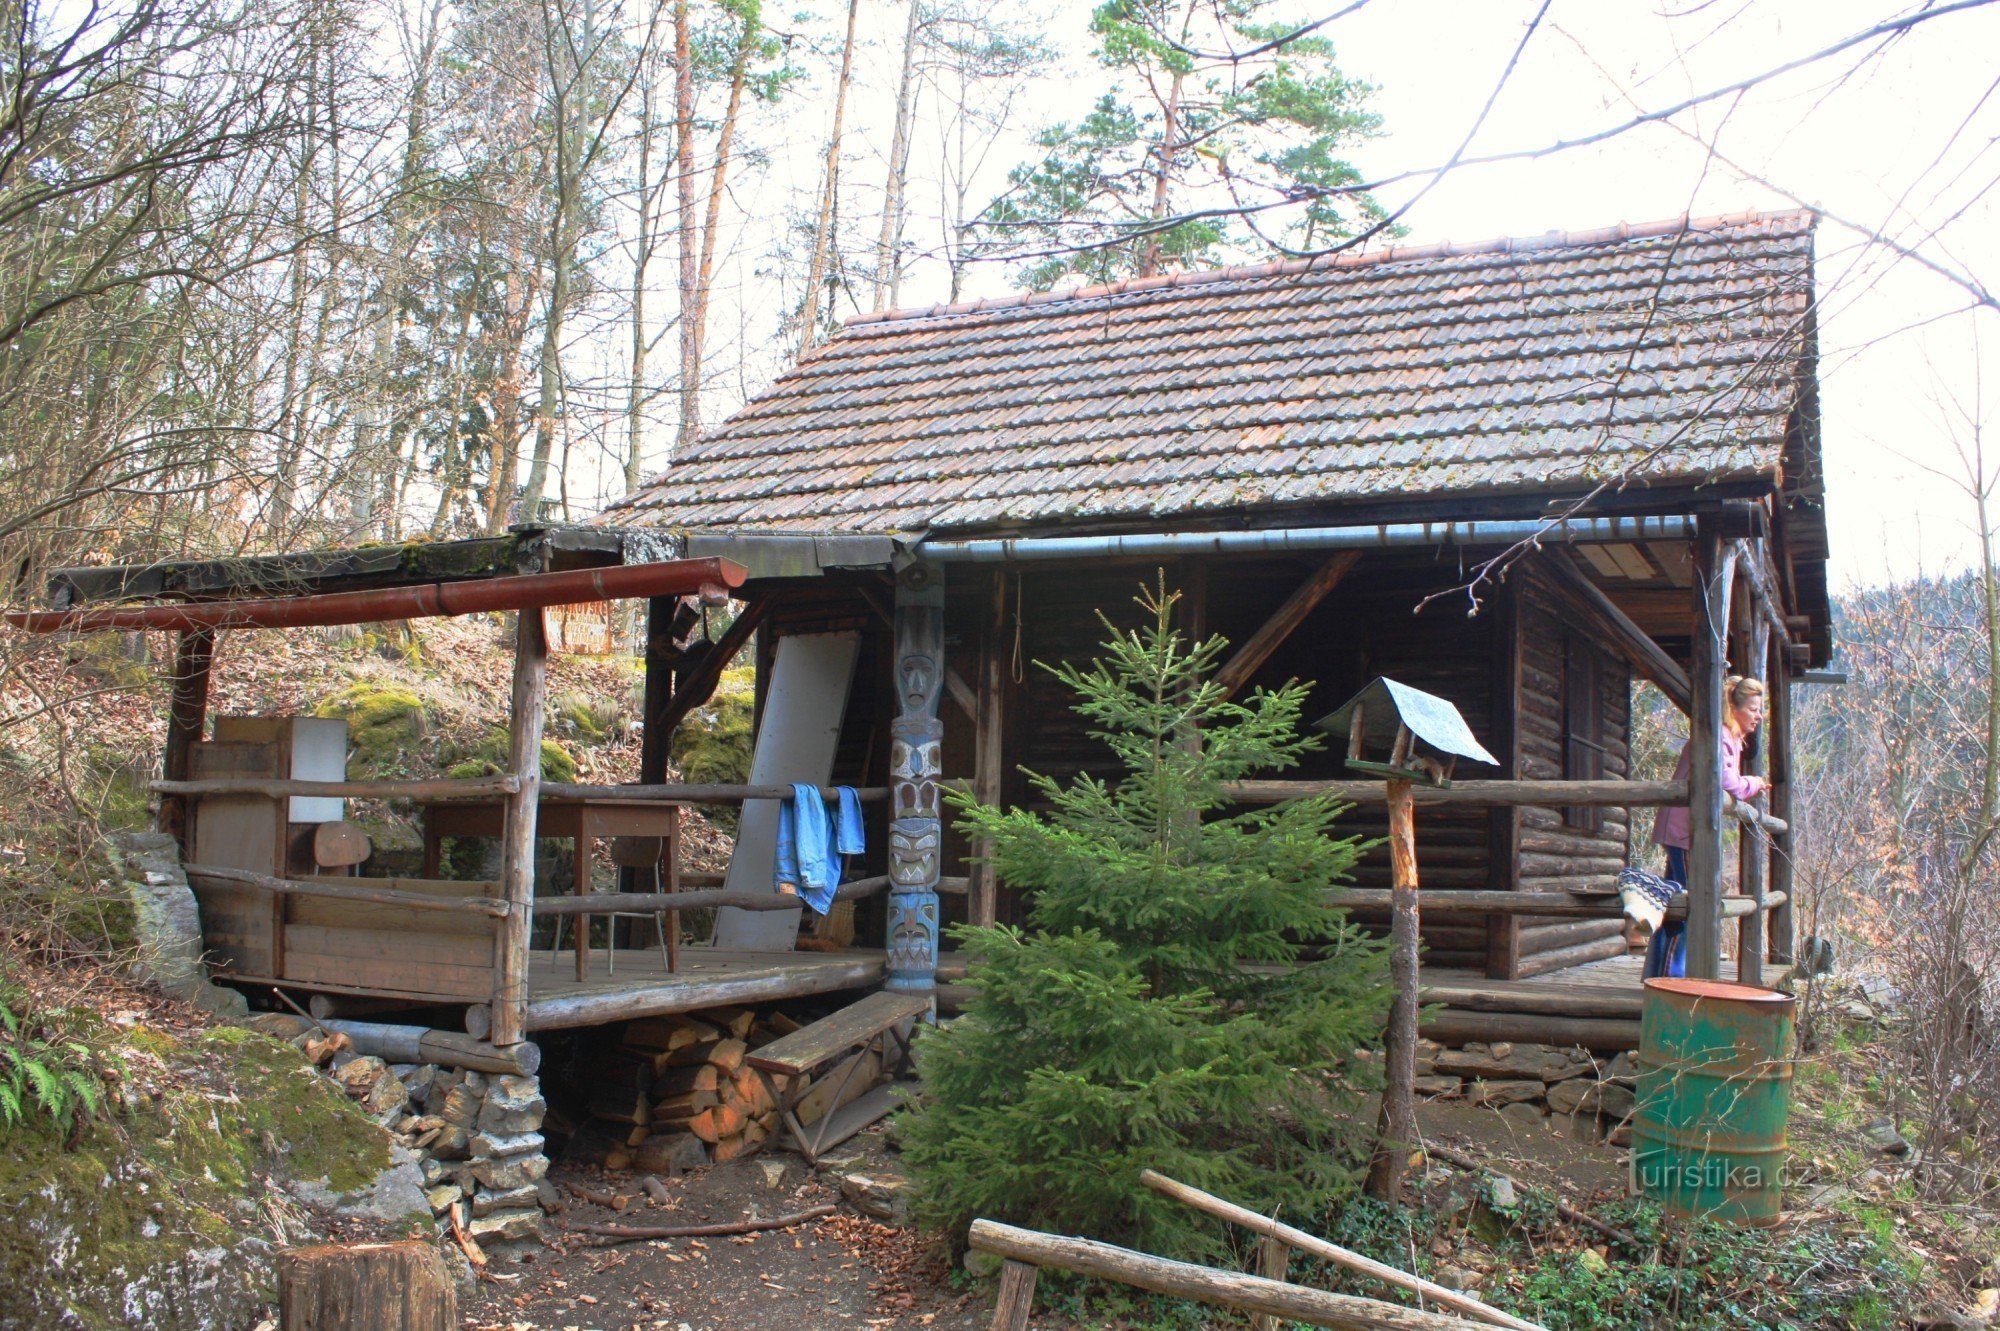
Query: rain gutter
[1390,535]
[708,578]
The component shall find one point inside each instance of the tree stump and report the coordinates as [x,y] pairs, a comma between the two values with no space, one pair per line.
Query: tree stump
[365,1287]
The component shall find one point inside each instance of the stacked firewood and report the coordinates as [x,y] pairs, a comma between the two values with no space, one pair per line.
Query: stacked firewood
[686,1075]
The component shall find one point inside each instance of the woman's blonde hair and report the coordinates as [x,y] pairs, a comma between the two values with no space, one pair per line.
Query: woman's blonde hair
[1738,690]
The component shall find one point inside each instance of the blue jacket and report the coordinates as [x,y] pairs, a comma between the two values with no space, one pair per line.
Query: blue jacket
[810,844]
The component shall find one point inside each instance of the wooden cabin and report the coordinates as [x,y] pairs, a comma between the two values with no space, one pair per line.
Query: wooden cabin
[1521,475]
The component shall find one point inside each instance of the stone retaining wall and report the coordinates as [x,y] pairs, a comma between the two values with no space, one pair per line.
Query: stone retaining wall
[1567,1090]
[477,1136]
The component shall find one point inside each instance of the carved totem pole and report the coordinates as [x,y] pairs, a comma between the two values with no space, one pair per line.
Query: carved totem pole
[916,835]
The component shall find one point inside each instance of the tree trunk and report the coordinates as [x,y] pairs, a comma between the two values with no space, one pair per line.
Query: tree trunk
[1396,1131]
[829,191]
[381,1286]
[725,142]
[888,263]
[690,243]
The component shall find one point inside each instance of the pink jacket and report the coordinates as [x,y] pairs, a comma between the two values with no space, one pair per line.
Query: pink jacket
[1671,828]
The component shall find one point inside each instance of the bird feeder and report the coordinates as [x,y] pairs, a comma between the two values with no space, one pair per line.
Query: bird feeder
[1419,736]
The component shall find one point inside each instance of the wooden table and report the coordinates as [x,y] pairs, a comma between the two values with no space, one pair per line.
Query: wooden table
[580,821]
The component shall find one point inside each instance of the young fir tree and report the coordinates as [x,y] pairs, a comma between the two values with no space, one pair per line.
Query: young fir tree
[1160,1012]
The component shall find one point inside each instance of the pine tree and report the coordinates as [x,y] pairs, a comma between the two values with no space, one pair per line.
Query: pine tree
[1224,134]
[1162,1011]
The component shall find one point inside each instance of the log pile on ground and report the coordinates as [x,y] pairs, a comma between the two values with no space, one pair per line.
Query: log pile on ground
[680,1088]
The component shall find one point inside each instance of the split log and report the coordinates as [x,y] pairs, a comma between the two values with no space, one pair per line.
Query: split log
[1228,1289]
[1017,1296]
[753,1226]
[756,1097]
[621,1092]
[1284,1234]
[382,1286]
[712,1125]
[676,1110]
[727,1055]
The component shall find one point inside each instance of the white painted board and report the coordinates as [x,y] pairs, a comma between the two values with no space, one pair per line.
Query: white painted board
[319,753]
[803,709]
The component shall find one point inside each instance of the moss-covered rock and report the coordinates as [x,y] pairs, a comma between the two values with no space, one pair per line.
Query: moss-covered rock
[712,745]
[156,1217]
[489,758]
[387,726]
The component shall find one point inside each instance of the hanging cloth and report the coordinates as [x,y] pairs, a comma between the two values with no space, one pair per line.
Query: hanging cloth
[810,844]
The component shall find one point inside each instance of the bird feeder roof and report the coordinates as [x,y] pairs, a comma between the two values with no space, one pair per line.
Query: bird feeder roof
[1387,704]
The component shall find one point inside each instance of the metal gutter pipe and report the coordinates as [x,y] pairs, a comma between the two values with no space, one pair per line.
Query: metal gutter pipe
[708,578]
[1388,535]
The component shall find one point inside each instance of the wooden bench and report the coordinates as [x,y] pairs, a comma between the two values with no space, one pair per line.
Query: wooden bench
[850,1031]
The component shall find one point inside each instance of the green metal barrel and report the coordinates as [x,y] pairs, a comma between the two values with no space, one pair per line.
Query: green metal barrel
[1715,1089]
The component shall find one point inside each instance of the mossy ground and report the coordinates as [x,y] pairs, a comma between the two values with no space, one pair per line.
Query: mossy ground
[141,1217]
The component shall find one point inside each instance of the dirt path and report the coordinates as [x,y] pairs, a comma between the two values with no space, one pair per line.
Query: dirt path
[845,1270]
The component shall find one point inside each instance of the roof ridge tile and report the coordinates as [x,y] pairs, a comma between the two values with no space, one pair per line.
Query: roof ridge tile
[1338,259]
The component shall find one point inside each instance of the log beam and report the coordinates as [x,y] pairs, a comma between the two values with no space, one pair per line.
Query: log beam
[1714,569]
[517,846]
[1258,647]
[1616,627]
[1226,1289]
[187,718]
[1396,1128]
[697,686]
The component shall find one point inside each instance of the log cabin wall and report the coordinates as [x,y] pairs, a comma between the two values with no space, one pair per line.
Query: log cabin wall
[1572,720]
[1366,626]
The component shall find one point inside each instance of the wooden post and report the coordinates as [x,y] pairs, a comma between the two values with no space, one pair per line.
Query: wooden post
[1396,1129]
[1781,936]
[1503,823]
[383,1286]
[1753,842]
[517,844]
[1714,569]
[187,717]
[1017,1296]
[661,653]
[916,743]
[989,774]
[1274,1258]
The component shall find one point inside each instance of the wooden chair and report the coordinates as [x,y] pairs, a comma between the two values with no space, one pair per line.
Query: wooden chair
[340,846]
[638,853]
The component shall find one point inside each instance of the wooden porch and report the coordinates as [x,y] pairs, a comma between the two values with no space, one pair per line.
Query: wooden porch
[638,984]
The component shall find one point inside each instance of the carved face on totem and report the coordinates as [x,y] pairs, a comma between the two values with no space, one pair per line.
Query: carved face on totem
[920,680]
[913,924]
[913,852]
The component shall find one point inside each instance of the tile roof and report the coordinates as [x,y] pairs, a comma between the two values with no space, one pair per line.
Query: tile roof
[1673,352]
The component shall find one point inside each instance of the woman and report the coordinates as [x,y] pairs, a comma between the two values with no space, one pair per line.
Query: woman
[1742,713]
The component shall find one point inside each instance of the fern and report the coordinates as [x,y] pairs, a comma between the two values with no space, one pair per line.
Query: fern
[45,1071]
